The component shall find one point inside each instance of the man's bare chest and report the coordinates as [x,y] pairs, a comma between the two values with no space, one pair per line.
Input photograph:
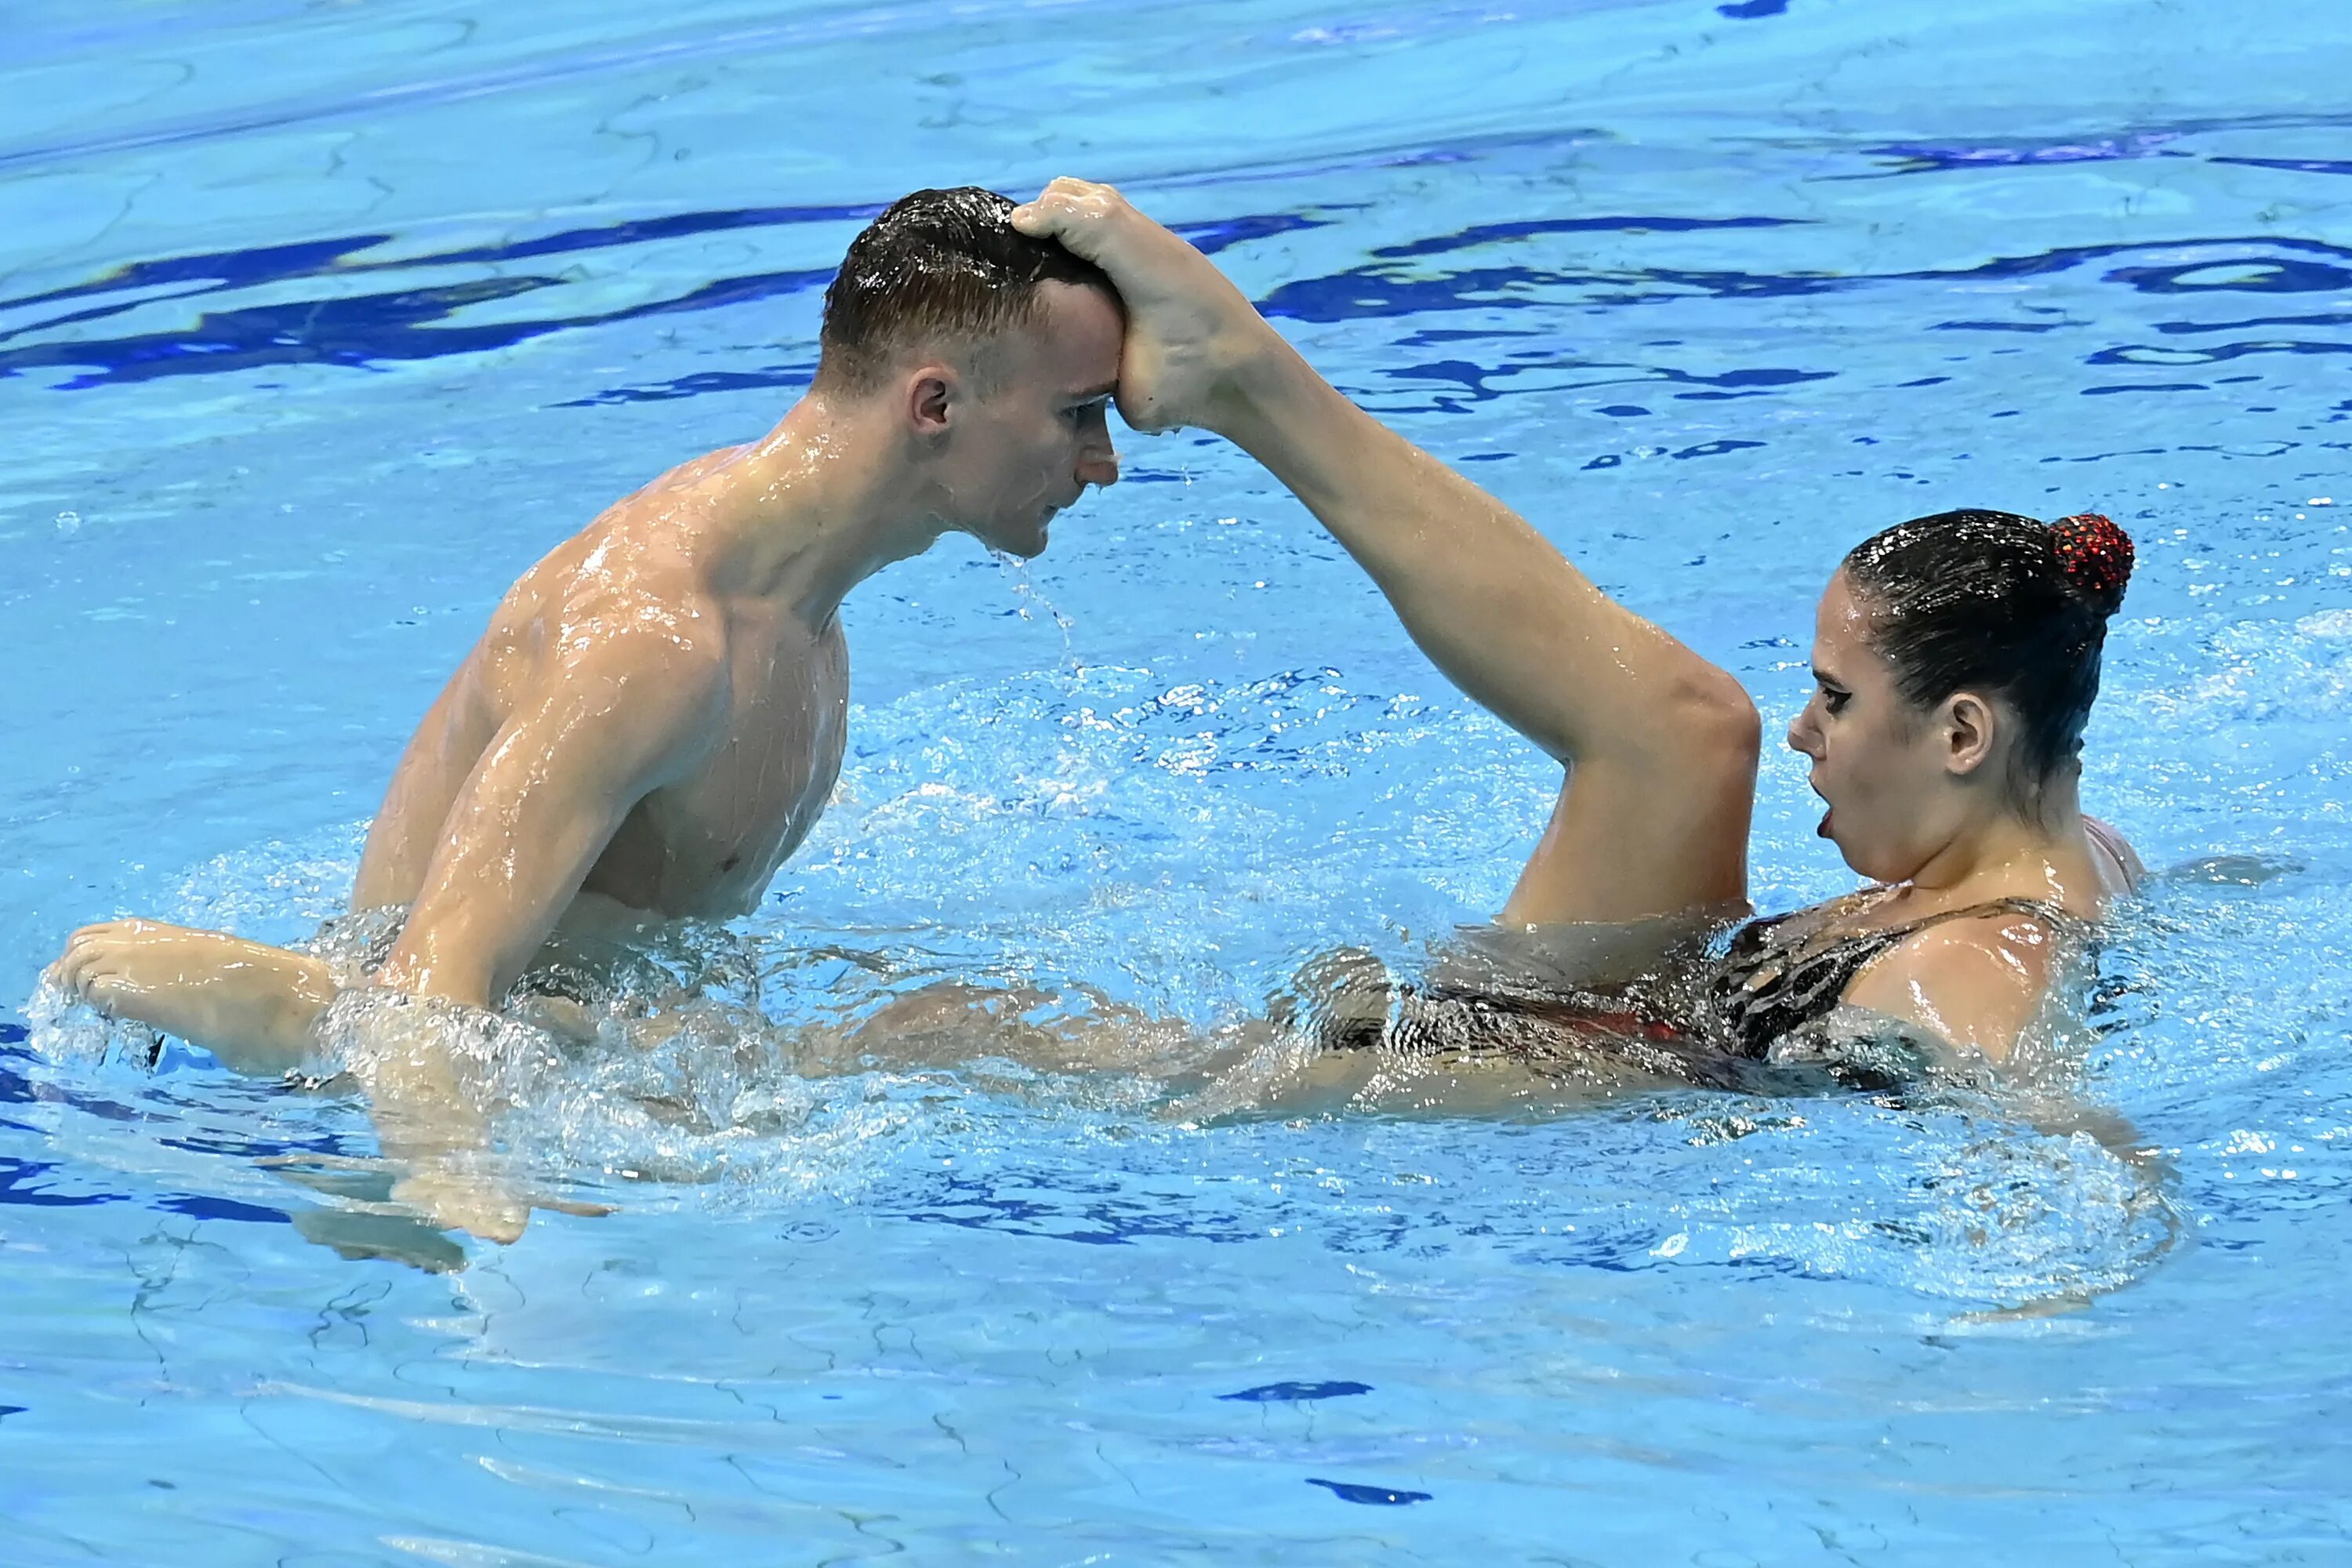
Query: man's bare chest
[709,842]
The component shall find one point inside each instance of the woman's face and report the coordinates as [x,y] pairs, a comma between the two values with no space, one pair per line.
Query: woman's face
[1884,767]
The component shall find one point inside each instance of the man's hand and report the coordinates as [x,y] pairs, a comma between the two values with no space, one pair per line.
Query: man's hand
[1194,342]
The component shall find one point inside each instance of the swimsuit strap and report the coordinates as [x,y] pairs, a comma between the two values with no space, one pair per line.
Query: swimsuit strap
[2037,909]
[1761,994]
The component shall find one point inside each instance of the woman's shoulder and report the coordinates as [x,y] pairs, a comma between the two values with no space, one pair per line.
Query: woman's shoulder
[2118,859]
[1977,978]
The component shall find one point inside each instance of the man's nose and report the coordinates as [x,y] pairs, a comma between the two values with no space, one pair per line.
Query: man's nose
[1099,467]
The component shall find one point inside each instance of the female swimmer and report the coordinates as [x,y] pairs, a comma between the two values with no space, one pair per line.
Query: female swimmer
[1954,661]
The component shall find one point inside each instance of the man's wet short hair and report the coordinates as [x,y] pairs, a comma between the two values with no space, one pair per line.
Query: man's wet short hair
[937,266]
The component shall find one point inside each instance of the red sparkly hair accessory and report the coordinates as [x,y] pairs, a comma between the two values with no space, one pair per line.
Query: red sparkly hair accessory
[2097,557]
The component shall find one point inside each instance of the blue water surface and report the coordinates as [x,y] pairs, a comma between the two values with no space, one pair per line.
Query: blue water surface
[320,321]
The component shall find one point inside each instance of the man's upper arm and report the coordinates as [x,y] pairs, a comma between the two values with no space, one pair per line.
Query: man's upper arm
[611,722]
[1977,983]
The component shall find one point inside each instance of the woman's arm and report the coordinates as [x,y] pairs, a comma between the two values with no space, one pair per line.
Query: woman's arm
[1660,746]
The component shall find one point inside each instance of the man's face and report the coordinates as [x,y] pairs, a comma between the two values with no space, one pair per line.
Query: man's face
[1038,435]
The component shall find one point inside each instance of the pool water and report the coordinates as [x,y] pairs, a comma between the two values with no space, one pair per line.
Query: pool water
[320,321]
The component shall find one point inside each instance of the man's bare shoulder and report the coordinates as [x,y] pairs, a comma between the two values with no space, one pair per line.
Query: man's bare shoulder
[640,568]
[648,638]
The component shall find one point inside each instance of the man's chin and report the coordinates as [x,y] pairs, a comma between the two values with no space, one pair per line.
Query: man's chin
[1020,545]
[1029,543]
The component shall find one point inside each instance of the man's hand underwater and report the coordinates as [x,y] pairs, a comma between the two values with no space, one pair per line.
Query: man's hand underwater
[1194,344]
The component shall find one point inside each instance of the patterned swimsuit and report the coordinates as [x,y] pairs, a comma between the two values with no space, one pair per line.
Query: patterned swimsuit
[1767,984]
[1708,1021]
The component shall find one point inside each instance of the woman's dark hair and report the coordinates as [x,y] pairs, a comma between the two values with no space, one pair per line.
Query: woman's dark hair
[936,264]
[1993,602]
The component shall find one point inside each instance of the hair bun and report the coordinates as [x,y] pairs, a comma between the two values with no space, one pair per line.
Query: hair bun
[2097,557]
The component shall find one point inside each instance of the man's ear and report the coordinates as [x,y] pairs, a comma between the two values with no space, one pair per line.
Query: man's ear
[1970,722]
[932,394]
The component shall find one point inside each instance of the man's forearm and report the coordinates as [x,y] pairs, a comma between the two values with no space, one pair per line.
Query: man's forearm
[444,961]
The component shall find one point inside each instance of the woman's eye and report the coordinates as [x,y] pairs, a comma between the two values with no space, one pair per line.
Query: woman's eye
[1834,699]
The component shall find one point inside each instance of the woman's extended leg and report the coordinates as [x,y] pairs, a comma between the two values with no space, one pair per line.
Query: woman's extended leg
[1659,746]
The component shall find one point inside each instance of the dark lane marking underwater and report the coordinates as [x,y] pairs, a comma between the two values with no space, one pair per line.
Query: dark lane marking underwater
[1703,449]
[1374,1497]
[1292,1393]
[312,258]
[1106,1216]
[16,1089]
[331,1144]
[1950,157]
[1058,1203]
[1928,158]
[1754,380]
[774,375]
[1487,233]
[28,1184]
[224,1208]
[2219,354]
[2294,165]
[1378,291]
[419,322]
[2280,275]
[360,332]
[17,1188]
[25,1183]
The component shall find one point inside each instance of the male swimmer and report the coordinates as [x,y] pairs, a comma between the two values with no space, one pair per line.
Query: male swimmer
[655,718]
[1956,658]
